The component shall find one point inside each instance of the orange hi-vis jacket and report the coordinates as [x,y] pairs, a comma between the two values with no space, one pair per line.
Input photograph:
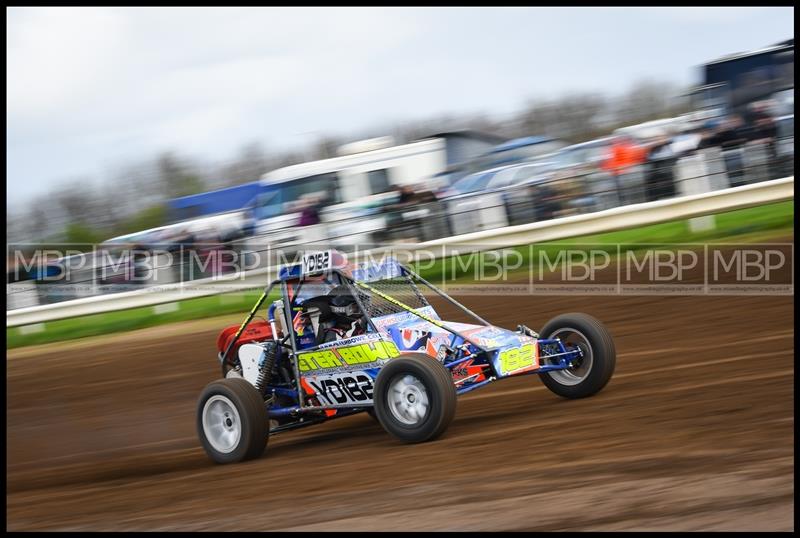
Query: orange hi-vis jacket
[623,156]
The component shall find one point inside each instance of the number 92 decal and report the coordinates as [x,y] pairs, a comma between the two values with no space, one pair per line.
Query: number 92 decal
[518,359]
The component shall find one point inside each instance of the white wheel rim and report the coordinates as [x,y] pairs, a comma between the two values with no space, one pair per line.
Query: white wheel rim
[581,367]
[221,424]
[408,399]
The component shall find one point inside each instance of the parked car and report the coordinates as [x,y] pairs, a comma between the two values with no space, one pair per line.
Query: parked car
[471,208]
[520,193]
[518,150]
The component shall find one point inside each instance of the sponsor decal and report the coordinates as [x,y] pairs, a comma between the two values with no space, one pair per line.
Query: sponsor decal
[462,370]
[383,322]
[485,331]
[487,342]
[345,356]
[469,370]
[413,339]
[518,359]
[370,272]
[359,339]
[495,337]
[488,336]
[337,389]
[435,343]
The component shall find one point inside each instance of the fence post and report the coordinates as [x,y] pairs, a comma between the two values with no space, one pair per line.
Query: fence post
[715,166]
[755,159]
[693,178]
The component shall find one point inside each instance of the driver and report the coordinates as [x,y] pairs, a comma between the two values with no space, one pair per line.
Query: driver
[346,321]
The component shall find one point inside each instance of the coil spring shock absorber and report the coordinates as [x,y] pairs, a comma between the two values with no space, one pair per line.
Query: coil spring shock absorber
[265,370]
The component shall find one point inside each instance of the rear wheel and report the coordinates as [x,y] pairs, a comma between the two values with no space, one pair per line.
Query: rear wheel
[232,421]
[591,372]
[415,399]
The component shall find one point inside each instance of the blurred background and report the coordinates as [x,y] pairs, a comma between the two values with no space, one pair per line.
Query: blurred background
[157,146]
[193,130]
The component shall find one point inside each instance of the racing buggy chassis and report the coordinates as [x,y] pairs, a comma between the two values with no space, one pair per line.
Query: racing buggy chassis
[344,339]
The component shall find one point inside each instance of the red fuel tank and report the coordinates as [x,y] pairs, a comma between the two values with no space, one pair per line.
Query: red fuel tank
[257,331]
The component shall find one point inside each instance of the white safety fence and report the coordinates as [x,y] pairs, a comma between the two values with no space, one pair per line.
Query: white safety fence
[695,202]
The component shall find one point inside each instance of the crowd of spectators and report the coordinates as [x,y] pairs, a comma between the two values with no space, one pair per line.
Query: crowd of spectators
[658,155]
[641,168]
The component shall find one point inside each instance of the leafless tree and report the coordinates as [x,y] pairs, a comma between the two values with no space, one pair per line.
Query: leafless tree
[176,176]
[15,227]
[249,165]
[324,148]
[646,100]
[76,200]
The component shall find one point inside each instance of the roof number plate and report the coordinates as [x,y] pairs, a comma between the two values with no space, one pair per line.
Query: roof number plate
[315,262]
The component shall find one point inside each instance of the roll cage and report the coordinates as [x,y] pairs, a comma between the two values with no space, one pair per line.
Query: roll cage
[463,348]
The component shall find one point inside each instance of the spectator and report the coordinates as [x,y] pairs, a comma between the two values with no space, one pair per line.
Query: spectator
[661,159]
[757,113]
[403,197]
[309,214]
[549,202]
[762,128]
[624,155]
[708,132]
[401,218]
[686,142]
[731,137]
[426,196]
[407,195]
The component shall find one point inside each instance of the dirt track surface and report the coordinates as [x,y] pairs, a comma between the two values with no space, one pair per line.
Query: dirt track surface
[694,432]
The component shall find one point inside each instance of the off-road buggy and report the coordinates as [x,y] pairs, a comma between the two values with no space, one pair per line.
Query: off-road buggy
[345,339]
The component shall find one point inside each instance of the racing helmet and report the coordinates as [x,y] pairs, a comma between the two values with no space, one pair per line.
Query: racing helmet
[345,308]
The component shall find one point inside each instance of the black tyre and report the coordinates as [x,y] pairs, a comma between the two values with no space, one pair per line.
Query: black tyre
[589,374]
[415,399]
[232,421]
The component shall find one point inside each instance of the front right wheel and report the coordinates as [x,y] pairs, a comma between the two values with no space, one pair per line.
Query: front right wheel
[414,398]
[589,373]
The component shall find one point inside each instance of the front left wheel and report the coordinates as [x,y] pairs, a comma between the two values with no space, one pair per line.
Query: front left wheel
[414,398]
[232,421]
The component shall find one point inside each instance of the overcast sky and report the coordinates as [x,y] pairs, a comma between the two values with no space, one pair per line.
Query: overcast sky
[90,90]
